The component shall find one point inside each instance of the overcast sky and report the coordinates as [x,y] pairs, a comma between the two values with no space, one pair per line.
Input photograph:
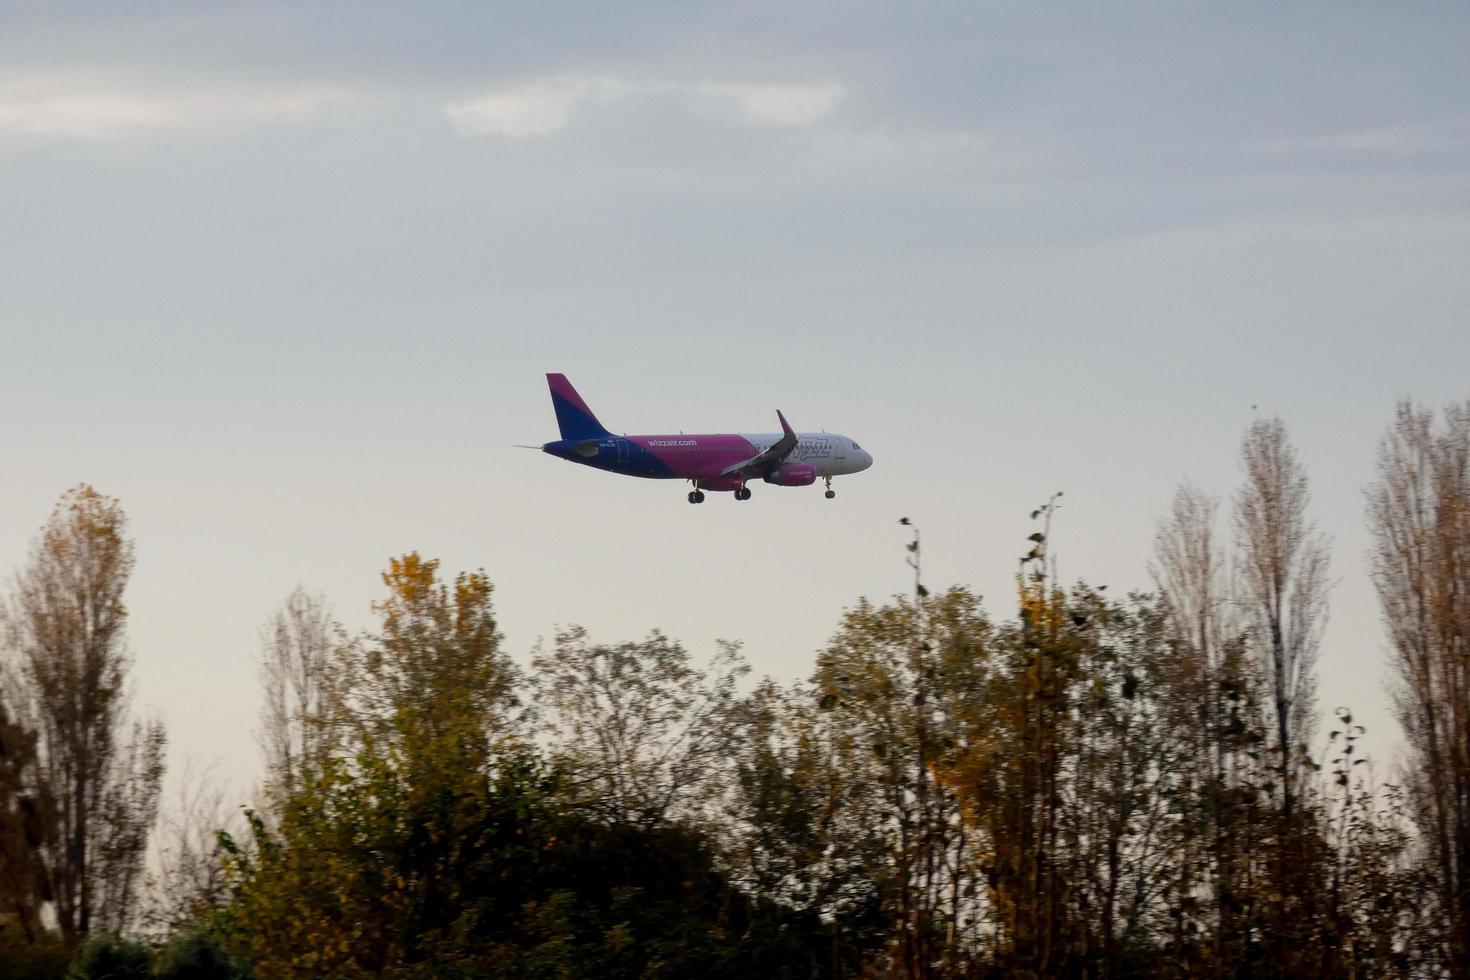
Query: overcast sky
[286,279]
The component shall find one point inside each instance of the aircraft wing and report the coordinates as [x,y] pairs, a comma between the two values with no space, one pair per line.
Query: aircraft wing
[779,450]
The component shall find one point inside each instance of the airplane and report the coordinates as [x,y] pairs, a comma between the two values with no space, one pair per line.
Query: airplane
[724,462]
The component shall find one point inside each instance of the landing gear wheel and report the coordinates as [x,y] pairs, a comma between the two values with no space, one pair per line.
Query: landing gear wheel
[830,494]
[698,496]
[691,497]
[743,493]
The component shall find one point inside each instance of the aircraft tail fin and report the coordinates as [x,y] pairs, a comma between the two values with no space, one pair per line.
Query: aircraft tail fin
[573,417]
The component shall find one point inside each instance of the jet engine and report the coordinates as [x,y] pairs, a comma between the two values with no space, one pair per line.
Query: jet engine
[793,475]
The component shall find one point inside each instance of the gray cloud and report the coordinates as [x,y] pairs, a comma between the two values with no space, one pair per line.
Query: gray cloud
[545,106]
[91,111]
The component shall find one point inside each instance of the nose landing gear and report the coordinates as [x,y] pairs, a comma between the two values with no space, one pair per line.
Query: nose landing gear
[830,492]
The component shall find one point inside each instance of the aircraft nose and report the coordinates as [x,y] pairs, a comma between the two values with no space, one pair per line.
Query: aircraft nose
[867,458]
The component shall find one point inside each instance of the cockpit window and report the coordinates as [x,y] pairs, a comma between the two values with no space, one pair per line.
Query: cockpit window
[856,446]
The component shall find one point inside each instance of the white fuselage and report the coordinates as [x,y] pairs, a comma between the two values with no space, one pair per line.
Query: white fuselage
[829,453]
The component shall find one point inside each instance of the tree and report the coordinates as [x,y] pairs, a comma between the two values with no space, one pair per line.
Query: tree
[1283,563]
[804,828]
[21,834]
[435,670]
[298,666]
[1381,907]
[98,774]
[365,869]
[105,956]
[1127,764]
[1014,764]
[894,685]
[431,843]
[641,735]
[196,955]
[1070,771]
[1419,513]
[188,883]
[1212,691]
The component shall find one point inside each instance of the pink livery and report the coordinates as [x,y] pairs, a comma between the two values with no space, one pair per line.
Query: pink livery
[710,462]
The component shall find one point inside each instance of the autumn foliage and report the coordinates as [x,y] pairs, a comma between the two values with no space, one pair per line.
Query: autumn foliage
[1079,784]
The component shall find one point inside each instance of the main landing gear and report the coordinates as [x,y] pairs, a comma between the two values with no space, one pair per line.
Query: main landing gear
[743,493]
[830,492]
[696,496]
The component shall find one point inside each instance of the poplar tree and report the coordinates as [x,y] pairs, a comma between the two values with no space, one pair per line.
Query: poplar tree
[1419,513]
[1283,563]
[1213,692]
[98,772]
[299,668]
